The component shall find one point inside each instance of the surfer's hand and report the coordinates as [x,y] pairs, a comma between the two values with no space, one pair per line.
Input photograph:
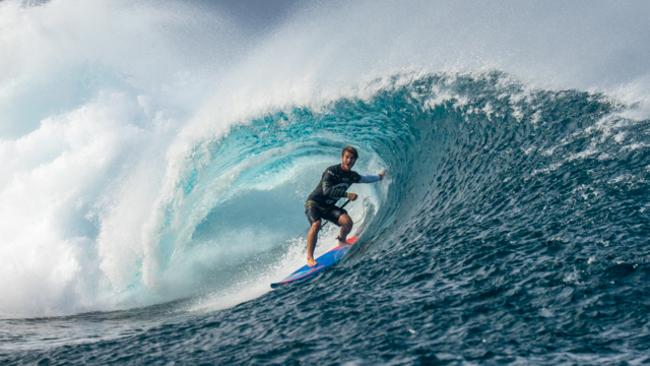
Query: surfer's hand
[381,174]
[352,196]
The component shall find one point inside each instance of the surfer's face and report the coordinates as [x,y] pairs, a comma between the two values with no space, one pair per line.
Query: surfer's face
[347,160]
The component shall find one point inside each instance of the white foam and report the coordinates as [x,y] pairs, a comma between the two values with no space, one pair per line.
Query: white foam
[90,95]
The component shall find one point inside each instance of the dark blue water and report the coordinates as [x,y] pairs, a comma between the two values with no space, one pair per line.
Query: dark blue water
[514,229]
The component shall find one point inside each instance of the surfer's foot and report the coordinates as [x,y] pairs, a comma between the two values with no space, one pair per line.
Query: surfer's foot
[342,241]
[311,262]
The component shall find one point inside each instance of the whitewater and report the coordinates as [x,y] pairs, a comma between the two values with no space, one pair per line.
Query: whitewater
[155,158]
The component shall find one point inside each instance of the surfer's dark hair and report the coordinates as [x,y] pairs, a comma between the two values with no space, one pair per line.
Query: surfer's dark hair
[351,150]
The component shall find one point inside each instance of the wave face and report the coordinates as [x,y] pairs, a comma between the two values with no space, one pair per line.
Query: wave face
[138,215]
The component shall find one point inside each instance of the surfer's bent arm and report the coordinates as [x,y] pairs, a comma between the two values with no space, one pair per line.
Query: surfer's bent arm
[329,189]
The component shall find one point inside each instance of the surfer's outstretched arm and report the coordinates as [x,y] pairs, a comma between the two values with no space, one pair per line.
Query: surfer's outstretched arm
[372,178]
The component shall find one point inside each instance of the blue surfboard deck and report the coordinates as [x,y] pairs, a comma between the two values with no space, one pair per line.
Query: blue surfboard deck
[325,261]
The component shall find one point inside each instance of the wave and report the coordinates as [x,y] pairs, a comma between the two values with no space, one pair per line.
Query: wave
[125,188]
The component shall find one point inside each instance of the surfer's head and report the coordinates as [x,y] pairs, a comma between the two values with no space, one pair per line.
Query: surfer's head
[349,156]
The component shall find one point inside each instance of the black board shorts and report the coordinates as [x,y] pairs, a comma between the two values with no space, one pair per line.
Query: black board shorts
[315,212]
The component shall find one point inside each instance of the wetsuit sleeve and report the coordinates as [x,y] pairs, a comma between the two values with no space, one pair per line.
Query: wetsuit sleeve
[329,181]
[369,178]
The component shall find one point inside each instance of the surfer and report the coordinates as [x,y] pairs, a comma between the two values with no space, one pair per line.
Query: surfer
[333,185]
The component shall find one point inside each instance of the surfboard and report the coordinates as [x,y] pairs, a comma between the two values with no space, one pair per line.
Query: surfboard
[325,261]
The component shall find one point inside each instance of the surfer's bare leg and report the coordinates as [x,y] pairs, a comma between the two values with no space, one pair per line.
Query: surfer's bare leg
[345,222]
[312,238]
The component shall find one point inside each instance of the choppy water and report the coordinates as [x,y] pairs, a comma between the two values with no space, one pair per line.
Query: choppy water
[513,228]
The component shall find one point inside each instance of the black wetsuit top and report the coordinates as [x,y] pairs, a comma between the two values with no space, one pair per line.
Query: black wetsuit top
[333,185]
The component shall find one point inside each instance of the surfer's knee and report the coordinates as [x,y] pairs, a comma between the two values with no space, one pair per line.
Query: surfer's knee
[316,225]
[345,220]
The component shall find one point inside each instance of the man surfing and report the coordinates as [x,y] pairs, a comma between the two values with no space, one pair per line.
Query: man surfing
[321,202]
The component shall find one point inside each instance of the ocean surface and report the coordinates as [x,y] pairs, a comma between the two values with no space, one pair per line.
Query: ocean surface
[147,203]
